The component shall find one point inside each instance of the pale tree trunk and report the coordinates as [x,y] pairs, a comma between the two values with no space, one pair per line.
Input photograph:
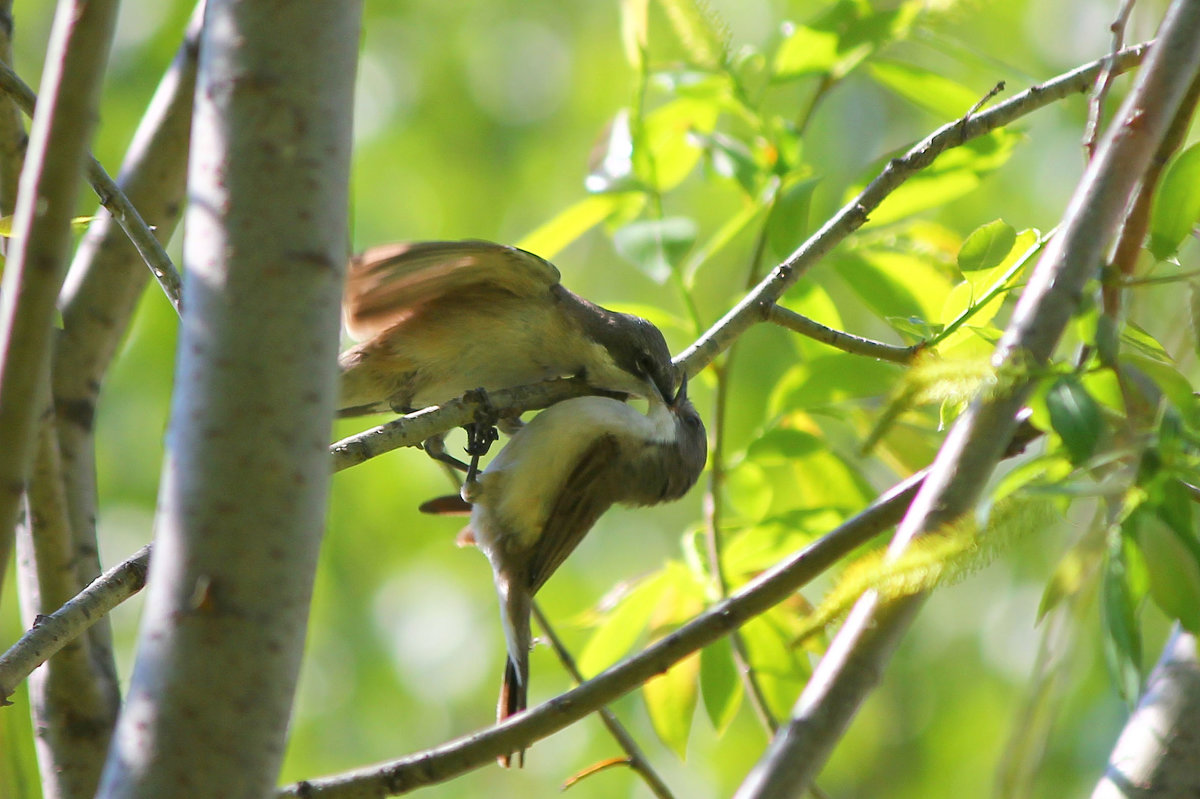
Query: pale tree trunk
[73,712]
[247,471]
[1158,753]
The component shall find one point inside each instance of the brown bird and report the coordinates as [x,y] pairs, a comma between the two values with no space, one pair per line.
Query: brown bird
[436,319]
[541,494]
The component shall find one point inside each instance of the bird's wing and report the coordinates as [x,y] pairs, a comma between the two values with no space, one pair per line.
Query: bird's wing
[385,284]
[578,505]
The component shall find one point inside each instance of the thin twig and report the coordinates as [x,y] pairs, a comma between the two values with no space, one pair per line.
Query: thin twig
[635,758]
[41,242]
[846,342]
[113,199]
[51,633]
[714,506]
[1104,80]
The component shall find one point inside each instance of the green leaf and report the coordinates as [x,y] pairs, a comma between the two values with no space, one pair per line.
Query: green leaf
[782,445]
[787,225]
[731,158]
[1123,641]
[936,93]
[656,246]
[1174,570]
[780,668]
[830,379]
[896,284]
[805,51]
[750,491]
[634,31]
[987,246]
[622,627]
[671,702]
[701,32]
[1075,416]
[719,684]
[1177,204]
[665,137]
[553,236]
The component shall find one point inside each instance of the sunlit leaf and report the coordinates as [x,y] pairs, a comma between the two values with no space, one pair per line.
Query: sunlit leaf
[553,236]
[749,490]
[831,378]
[1177,204]
[779,667]
[895,284]
[719,684]
[704,36]
[1174,570]
[656,246]
[731,158]
[805,51]
[787,226]
[634,31]
[666,138]
[988,246]
[622,626]
[954,174]
[671,702]
[1123,641]
[947,99]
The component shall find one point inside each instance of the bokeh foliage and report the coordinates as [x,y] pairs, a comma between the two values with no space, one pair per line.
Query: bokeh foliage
[667,154]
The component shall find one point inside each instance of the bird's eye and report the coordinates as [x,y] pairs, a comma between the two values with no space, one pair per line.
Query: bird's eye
[645,364]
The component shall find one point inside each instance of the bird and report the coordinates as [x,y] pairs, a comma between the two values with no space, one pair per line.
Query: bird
[542,493]
[436,319]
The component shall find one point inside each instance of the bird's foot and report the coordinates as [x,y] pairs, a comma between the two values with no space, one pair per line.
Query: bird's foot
[480,433]
[435,447]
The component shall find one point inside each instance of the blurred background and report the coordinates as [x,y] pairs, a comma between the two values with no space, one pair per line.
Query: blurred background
[476,119]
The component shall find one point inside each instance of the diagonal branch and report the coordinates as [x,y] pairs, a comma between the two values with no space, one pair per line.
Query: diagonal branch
[858,654]
[42,233]
[758,596]
[756,306]
[1156,753]
[113,199]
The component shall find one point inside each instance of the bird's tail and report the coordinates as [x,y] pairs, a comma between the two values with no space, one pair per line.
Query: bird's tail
[514,690]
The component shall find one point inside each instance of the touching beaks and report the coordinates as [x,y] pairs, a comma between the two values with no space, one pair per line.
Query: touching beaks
[681,394]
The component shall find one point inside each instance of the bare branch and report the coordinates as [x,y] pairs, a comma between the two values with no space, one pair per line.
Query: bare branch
[101,292]
[763,593]
[113,199]
[857,656]
[75,697]
[51,633]
[1104,80]
[1156,755]
[13,138]
[41,243]
[846,342]
[756,306]
[410,430]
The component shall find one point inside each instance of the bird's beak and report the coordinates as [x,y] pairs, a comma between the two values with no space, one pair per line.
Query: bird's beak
[681,394]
